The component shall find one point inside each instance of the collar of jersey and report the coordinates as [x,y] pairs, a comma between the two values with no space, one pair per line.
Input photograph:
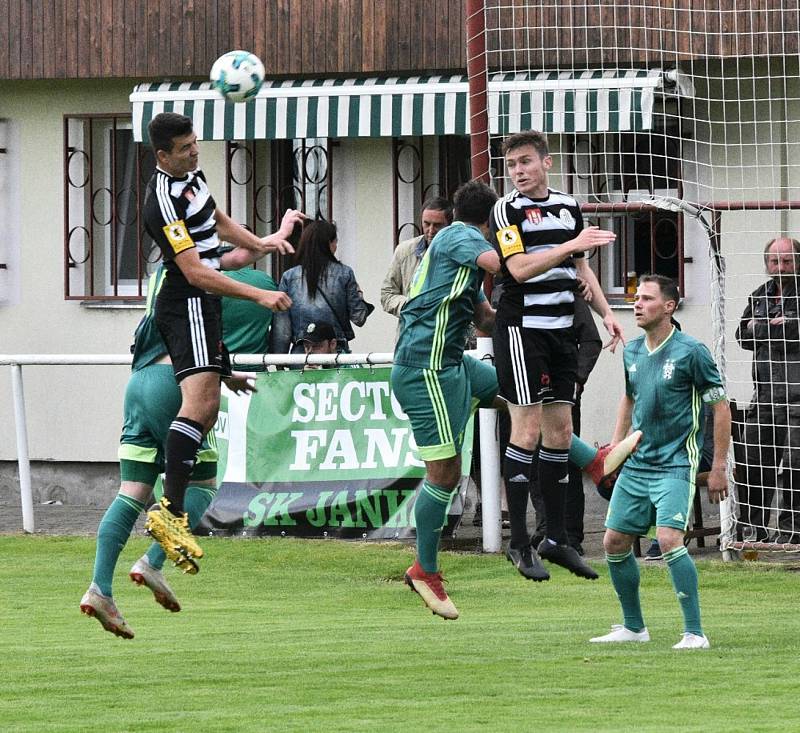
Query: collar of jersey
[659,347]
[175,178]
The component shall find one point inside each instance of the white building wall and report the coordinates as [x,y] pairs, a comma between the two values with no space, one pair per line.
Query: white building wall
[74,413]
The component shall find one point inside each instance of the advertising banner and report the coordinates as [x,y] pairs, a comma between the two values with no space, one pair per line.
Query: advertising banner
[319,453]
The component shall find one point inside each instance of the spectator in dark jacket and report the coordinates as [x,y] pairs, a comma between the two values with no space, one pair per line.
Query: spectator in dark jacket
[769,328]
[321,289]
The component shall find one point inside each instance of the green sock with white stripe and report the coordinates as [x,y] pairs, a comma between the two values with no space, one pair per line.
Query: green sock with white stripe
[196,502]
[112,533]
[624,572]
[683,572]
[430,513]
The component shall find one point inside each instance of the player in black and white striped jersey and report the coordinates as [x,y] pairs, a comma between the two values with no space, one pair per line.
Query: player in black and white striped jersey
[541,239]
[182,218]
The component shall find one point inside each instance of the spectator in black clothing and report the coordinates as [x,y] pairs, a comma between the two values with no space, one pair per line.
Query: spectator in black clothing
[769,328]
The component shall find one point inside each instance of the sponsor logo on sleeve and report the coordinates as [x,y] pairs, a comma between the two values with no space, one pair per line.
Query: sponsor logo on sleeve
[178,236]
[510,241]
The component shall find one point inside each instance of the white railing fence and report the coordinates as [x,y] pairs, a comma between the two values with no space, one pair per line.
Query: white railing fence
[489,446]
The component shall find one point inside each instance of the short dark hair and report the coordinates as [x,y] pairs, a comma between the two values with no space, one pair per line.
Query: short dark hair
[165,127]
[438,203]
[473,202]
[527,137]
[668,286]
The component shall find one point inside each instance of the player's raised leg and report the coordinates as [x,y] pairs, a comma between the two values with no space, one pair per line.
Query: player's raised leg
[112,534]
[553,480]
[442,403]
[167,521]
[147,571]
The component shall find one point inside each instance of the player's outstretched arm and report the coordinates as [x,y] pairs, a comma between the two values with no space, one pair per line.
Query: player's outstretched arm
[524,266]
[197,274]
[718,475]
[238,236]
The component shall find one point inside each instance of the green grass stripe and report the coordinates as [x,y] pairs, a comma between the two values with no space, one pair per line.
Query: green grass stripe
[439,406]
[293,635]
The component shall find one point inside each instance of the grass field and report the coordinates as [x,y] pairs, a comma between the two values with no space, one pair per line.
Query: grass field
[290,635]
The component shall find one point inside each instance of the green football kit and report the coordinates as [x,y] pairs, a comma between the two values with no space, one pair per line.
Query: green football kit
[437,386]
[668,386]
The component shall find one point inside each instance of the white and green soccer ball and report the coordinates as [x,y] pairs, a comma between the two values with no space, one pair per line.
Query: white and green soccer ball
[237,75]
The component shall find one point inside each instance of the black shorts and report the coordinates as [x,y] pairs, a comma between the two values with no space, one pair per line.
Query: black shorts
[191,326]
[536,365]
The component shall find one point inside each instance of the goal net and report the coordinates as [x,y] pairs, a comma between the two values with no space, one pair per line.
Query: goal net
[677,125]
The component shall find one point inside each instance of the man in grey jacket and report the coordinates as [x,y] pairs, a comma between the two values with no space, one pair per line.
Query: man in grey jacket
[769,328]
[437,213]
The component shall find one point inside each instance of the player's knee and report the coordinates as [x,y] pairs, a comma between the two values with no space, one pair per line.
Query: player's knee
[669,538]
[446,473]
[615,543]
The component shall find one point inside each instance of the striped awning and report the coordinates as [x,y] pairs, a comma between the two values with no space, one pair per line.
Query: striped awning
[590,101]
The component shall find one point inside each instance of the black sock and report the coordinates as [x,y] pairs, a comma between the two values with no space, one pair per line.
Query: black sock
[553,483]
[183,442]
[517,471]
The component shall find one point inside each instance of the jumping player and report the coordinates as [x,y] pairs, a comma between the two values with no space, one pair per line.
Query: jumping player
[152,400]
[438,386]
[541,240]
[182,218]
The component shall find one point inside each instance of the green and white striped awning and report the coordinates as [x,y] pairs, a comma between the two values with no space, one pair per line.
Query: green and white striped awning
[590,101]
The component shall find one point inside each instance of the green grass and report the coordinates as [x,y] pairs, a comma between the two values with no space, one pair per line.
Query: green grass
[291,635]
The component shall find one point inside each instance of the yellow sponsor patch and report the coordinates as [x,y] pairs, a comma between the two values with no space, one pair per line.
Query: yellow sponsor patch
[510,241]
[178,236]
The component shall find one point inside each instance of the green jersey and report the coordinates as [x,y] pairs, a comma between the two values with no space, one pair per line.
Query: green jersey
[148,346]
[245,325]
[669,386]
[441,301]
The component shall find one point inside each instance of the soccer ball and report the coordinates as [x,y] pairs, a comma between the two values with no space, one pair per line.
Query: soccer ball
[237,75]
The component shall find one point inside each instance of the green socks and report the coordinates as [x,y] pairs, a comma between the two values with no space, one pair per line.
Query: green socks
[683,572]
[581,454]
[430,513]
[112,534]
[195,502]
[624,572]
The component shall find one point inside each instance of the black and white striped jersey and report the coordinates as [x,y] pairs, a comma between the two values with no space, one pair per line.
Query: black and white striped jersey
[521,224]
[179,215]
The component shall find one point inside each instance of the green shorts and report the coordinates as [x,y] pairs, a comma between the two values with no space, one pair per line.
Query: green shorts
[152,400]
[440,403]
[642,499]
